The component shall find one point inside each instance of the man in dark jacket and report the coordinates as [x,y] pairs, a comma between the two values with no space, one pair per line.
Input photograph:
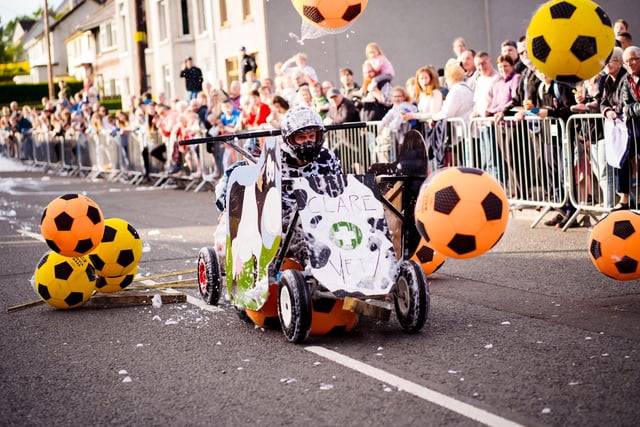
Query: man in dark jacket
[247,63]
[193,78]
[341,109]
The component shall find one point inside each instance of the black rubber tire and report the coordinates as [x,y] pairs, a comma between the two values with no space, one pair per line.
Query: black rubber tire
[411,296]
[209,280]
[294,306]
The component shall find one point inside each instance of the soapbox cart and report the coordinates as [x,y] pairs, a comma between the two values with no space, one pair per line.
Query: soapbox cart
[347,265]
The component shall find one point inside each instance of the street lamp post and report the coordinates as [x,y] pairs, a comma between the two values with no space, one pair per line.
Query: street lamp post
[47,42]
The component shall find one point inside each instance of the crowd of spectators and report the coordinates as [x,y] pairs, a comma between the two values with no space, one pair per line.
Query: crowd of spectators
[471,84]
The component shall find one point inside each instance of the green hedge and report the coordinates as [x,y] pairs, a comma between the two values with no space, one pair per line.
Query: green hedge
[32,94]
[112,104]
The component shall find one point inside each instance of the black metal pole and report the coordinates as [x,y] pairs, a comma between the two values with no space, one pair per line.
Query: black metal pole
[263,133]
[140,38]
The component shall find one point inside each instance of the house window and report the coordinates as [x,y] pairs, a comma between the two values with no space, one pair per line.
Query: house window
[166,83]
[202,17]
[162,19]
[184,10]
[111,88]
[231,65]
[224,18]
[123,25]
[246,9]
[107,36]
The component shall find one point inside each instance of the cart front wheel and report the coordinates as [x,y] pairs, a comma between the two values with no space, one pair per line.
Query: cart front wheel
[209,281]
[294,306]
[411,296]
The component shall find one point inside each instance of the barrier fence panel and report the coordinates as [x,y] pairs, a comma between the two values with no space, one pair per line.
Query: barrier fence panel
[596,182]
[355,147]
[135,152]
[527,157]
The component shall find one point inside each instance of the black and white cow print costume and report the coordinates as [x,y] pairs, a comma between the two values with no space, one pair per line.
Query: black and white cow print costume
[326,163]
[302,161]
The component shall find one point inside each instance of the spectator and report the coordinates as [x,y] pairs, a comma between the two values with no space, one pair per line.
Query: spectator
[342,109]
[525,100]
[376,100]
[625,40]
[247,63]
[250,84]
[319,101]
[485,81]
[380,64]
[123,132]
[620,26]
[230,122]
[23,127]
[193,78]
[458,46]
[630,95]
[555,100]
[298,62]
[235,94]
[459,100]
[90,91]
[510,48]
[393,125]
[256,113]
[427,94]
[304,97]
[279,107]
[503,92]
[467,61]
[458,103]
[349,87]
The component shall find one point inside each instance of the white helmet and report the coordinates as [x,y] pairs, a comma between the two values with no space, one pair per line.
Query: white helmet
[302,119]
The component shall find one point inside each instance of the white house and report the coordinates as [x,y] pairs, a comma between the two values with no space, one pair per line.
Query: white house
[59,31]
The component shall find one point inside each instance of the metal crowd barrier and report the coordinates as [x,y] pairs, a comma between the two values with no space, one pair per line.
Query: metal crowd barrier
[542,163]
[356,147]
[594,180]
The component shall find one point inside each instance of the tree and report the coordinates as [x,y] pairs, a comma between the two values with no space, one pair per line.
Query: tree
[8,51]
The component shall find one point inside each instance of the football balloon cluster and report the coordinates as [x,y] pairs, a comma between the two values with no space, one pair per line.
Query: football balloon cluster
[88,252]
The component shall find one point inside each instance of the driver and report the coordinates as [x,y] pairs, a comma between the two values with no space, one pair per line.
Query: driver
[305,156]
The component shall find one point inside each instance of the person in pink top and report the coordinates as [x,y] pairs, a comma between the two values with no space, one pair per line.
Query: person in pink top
[379,63]
[504,90]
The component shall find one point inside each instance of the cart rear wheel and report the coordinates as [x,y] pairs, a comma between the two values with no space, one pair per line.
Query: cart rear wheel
[411,296]
[209,281]
[294,306]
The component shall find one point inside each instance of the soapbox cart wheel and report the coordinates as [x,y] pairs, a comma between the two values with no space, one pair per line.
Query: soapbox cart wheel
[411,296]
[294,306]
[209,282]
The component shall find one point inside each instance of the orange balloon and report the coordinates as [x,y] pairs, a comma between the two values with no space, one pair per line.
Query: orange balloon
[461,212]
[429,259]
[330,13]
[614,245]
[72,225]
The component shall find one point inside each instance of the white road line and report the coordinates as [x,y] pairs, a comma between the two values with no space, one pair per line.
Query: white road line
[203,305]
[469,411]
[36,236]
[197,302]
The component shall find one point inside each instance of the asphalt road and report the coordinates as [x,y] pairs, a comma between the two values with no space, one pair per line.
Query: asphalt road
[530,333]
